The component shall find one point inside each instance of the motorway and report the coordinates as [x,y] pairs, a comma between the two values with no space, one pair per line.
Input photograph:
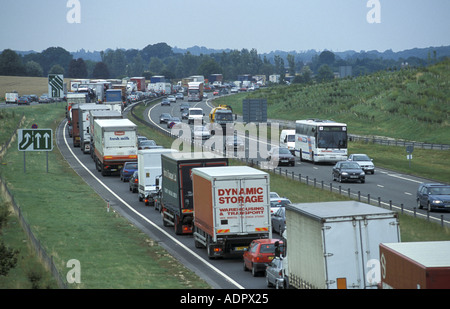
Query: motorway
[391,188]
[226,273]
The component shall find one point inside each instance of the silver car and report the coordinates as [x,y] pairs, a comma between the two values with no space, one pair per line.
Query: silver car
[274,274]
[364,162]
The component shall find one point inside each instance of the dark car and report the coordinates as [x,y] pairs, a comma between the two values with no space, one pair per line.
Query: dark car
[281,155]
[23,100]
[165,102]
[164,117]
[147,144]
[348,171]
[179,95]
[260,253]
[185,113]
[279,220]
[433,196]
[134,182]
[184,106]
[127,171]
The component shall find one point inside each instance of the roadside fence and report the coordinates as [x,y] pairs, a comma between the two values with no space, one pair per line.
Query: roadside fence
[33,240]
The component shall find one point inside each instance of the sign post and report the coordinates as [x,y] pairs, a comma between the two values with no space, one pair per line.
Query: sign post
[409,151]
[34,140]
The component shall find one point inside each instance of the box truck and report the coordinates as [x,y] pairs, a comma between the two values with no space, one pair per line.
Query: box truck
[149,173]
[99,114]
[335,245]
[415,265]
[115,142]
[176,199]
[231,208]
[84,123]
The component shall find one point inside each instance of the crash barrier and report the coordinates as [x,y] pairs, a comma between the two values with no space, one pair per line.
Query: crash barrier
[310,181]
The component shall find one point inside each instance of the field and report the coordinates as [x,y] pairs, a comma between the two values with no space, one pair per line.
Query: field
[24,85]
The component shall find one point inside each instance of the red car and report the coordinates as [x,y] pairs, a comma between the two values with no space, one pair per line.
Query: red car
[260,253]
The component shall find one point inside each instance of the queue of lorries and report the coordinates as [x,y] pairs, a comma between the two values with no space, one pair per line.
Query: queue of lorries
[227,209]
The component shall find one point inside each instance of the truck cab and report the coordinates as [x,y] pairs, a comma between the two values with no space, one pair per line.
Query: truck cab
[195,115]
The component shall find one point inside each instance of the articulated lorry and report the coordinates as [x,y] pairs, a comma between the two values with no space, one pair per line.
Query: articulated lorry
[84,123]
[231,208]
[73,99]
[115,142]
[335,245]
[149,173]
[176,199]
[195,91]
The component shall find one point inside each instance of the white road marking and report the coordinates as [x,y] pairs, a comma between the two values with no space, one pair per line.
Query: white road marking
[150,222]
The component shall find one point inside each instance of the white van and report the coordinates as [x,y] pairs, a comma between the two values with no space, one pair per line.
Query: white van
[287,139]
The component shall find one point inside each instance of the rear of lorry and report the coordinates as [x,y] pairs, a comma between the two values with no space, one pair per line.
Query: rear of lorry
[334,245]
[115,144]
[177,205]
[415,265]
[231,208]
[150,173]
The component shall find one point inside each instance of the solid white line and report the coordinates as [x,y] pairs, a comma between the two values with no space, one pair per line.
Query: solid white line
[148,221]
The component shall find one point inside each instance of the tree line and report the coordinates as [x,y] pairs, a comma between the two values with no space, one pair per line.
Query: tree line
[159,59]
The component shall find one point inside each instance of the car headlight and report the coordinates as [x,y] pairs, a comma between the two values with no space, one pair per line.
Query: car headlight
[362,174]
[436,201]
[344,173]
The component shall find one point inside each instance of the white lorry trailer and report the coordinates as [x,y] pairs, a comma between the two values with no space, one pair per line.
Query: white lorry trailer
[335,245]
[84,123]
[149,173]
[115,143]
[231,208]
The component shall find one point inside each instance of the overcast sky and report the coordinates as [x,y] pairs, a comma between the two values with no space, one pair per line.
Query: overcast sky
[266,25]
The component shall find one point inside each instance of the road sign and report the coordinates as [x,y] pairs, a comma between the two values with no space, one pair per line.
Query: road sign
[35,139]
[56,85]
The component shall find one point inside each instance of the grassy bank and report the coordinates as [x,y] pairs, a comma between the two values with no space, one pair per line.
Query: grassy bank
[411,104]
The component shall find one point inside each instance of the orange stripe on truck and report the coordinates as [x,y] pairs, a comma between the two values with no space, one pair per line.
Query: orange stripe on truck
[261,229]
[223,231]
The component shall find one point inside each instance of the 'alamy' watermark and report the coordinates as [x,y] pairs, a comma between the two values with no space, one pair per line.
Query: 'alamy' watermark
[374,14]
[74,14]
[74,274]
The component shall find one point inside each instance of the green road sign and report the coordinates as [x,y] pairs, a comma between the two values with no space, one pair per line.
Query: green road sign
[56,85]
[35,139]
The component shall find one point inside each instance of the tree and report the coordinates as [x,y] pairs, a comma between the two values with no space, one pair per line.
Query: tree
[100,71]
[32,68]
[325,73]
[77,69]
[11,63]
[8,257]
[56,69]
[291,62]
